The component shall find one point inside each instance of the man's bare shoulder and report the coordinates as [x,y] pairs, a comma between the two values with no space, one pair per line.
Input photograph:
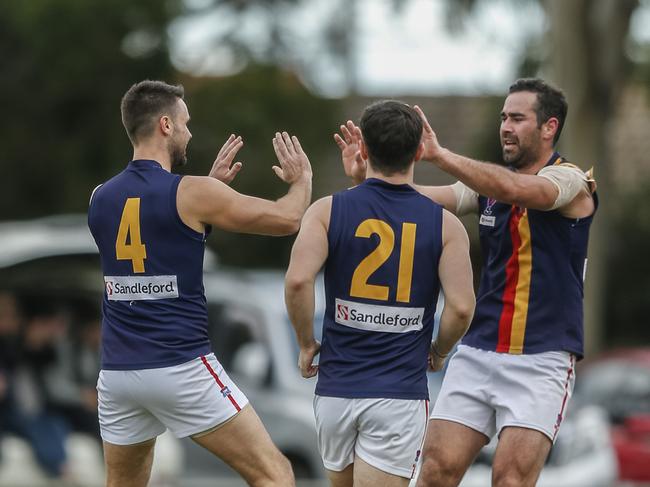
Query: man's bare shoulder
[320,210]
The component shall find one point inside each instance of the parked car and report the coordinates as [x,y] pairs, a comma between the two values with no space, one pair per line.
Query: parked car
[619,381]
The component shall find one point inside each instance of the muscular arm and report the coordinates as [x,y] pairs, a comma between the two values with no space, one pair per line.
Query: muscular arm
[307,258]
[524,190]
[206,200]
[494,181]
[455,272]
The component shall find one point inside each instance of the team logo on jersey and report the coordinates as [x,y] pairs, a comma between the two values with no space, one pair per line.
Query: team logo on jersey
[490,204]
[371,317]
[342,312]
[487,218]
[225,392]
[140,288]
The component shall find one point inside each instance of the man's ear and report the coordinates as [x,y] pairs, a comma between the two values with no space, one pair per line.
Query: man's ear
[166,125]
[419,153]
[550,128]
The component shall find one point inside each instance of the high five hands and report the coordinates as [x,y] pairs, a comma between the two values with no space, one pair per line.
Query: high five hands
[294,163]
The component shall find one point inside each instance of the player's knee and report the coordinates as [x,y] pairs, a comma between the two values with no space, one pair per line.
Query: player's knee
[504,476]
[285,472]
[436,472]
[278,473]
[506,481]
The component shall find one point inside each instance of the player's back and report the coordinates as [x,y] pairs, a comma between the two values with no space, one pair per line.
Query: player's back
[381,284]
[154,309]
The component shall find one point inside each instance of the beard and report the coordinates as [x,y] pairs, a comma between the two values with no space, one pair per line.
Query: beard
[519,156]
[177,155]
[514,158]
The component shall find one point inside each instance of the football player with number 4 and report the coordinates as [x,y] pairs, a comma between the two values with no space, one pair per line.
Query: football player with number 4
[150,226]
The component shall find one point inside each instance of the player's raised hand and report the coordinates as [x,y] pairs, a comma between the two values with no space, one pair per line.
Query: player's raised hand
[223,169]
[306,360]
[294,163]
[429,138]
[350,144]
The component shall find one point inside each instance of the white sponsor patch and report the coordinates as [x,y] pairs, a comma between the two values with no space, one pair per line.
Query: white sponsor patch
[138,288]
[487,220]
[370,317]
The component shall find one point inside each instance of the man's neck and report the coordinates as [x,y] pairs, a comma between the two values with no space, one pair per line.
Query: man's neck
[539,163]
[397,178]
[153,152]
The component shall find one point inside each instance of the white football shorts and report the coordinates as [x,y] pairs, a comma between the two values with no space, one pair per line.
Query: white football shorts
[385,433]
[488,391]
[189,398]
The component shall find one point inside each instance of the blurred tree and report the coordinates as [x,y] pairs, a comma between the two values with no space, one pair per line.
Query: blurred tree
[315,40]
[64,65]
[629,271]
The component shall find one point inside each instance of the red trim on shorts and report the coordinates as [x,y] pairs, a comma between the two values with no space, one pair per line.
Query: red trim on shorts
[560,416]
[219,383]
[426,424]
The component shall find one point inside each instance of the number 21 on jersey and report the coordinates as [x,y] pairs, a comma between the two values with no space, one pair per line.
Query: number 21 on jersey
[128,245]
[373,261]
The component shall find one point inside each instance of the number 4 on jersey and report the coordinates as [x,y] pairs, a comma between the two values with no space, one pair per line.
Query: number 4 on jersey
[128,245]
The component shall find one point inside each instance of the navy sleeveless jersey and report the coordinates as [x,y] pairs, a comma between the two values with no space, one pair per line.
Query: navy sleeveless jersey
[154,308]
[381,286]
[531,291]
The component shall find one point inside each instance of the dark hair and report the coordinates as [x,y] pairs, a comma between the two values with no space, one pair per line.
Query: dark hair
[392,131]
[144,103]
[550,101]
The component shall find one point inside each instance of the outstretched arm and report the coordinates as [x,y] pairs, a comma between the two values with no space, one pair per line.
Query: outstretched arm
[307,257]
[492,180]
[205,200]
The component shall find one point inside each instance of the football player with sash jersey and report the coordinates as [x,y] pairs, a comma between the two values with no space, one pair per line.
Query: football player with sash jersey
[514,371]
[150,225]
[386,250]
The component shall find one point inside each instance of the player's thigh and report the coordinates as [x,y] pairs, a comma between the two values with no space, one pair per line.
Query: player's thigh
[520,456]
[245,445]
[128,465]
[366,475]
[466,394]
[192,397]
[344,478]
[336,430]
[533,391]
[391,434]
[449,449]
